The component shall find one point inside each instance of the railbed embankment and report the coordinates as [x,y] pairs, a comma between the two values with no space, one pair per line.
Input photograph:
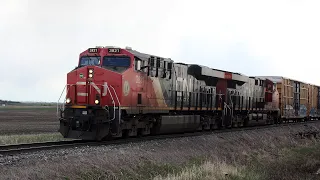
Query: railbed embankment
[217,155]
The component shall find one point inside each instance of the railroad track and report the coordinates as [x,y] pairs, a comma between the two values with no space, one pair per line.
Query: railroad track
[23,148]
[16,148]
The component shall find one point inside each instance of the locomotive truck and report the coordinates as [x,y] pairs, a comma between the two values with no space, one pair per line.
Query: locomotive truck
[120,92]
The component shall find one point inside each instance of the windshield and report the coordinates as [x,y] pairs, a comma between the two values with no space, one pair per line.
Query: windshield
[116,63]
[90,60]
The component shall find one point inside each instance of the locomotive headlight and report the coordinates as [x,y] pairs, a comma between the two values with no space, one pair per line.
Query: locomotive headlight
[96,101]
[90,73]
[68,100]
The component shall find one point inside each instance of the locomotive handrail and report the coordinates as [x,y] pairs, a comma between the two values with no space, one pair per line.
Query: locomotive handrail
[231,105]
[60,98]
[226,106]
[104,85]
[231,108]
[114,106]
[117,100]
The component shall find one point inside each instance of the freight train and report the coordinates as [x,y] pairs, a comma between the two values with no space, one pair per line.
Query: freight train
[120,92]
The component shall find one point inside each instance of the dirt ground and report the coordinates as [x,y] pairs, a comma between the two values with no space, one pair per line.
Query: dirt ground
[28,120]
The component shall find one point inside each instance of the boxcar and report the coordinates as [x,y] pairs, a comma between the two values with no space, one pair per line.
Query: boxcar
[293,97]
[314,101]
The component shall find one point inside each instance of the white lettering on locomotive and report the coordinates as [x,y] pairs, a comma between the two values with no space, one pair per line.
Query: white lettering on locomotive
[183,84]
[182,87]
[93,50]
[116,50]
[96,87]
[139,79]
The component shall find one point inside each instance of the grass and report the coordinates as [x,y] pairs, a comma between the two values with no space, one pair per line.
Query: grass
[207,171]
[30,138]
[143,170]
[268,162]
[290,164]
[148,169]
[293,163]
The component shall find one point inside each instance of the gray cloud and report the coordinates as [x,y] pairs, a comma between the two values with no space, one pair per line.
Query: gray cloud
[41,41]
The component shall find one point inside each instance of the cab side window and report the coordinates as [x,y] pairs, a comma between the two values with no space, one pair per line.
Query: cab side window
[137,64]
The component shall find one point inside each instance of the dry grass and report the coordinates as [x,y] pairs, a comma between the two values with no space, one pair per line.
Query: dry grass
[206,171]
[30,138]
[294,164]
[276,153]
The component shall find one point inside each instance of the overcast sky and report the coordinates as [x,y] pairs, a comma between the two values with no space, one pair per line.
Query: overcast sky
[41,39]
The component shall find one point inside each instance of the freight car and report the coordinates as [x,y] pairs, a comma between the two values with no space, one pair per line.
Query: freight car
[313,101]
[297,100]
[120,92]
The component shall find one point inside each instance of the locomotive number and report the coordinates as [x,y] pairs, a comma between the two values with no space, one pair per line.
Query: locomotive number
[93,50]
[185,99]
[114,50]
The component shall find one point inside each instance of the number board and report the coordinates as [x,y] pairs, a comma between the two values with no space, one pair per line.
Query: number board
[114,50]
[93,50]
[227,75]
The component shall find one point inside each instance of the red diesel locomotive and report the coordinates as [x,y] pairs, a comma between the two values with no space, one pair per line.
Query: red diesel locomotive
[116,92]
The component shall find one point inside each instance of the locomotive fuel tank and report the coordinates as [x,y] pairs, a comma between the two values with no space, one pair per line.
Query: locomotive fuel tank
[175,124]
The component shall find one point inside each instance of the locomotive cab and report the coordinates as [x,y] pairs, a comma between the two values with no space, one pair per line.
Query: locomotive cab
[94,94]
